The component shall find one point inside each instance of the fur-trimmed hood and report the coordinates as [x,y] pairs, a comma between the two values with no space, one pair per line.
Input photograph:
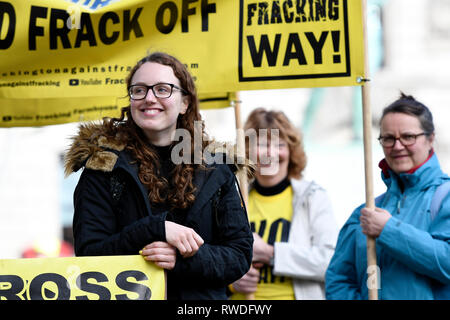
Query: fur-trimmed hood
[93,149]
[90,149]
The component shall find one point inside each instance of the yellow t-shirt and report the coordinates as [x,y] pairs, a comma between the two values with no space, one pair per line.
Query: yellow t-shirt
[270,217]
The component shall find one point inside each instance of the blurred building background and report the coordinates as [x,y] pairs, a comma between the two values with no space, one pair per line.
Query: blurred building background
[409,51]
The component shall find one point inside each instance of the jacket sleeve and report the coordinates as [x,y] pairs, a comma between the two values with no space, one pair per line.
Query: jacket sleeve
[310,262]
[229,257]
[341,281]
[425,252]
[95,226]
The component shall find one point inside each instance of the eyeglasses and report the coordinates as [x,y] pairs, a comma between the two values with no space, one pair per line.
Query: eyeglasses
[160,90]
[405,139]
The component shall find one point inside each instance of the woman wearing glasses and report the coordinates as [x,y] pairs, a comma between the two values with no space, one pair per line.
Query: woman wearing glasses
[132,198]
[412,237]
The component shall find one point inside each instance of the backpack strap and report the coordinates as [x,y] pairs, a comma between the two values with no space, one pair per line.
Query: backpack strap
[439,195]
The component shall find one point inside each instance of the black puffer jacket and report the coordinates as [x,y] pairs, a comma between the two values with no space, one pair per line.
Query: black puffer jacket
[113,216]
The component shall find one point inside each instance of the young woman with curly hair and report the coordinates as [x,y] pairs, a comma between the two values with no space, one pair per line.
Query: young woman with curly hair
[291,218]
[131,197]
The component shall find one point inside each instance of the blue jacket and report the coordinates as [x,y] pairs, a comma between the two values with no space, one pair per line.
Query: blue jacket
[413,251]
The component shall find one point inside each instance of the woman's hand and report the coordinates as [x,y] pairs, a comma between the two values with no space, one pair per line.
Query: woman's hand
[373,221]
[247,284]
[161,253]
[262,252]
[185,239]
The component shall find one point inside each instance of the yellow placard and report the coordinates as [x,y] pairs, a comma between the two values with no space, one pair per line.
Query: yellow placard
[81,51]
[303,41]
[81,278]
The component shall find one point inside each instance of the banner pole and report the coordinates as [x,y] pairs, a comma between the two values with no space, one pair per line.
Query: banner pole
[372,269]
[240,146]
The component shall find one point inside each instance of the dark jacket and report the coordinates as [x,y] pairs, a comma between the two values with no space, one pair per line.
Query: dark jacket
[113,216]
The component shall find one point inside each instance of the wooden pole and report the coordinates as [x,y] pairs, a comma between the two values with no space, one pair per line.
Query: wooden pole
[372,269]
[240,146]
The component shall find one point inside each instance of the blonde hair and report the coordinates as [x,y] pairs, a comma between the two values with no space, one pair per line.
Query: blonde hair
[261,118]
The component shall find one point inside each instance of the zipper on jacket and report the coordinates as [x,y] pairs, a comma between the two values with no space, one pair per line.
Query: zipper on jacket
[400,203]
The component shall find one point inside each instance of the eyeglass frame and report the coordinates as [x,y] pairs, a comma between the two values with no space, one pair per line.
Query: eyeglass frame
[380,138]
[171,85]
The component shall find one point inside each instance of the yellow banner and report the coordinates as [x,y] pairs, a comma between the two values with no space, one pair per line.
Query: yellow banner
[80,51]
[81,278]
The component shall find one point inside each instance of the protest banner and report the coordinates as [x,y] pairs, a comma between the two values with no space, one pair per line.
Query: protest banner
[66,60]
[76,54]
[81,278]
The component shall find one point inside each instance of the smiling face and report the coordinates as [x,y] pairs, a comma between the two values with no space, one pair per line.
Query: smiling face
[273,161]
[157,117]
[400,158]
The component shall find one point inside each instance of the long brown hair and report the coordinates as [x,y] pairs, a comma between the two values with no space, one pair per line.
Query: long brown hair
[261,118]
[181,195]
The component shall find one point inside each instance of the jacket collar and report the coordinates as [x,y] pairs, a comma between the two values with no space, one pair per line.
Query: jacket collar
[93,150]
[419,177]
